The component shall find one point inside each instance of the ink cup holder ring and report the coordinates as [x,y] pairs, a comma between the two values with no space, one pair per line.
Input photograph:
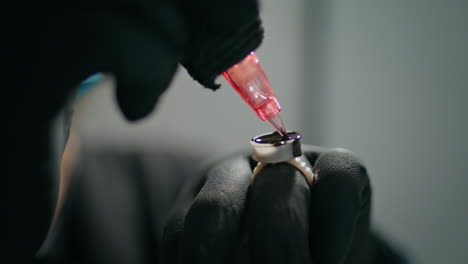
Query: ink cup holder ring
[273,148]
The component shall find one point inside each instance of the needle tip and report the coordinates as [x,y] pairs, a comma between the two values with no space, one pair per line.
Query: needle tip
[277,123]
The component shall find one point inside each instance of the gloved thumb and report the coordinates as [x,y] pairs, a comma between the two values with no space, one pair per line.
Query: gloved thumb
[144,70]
[142,76]
[142,60]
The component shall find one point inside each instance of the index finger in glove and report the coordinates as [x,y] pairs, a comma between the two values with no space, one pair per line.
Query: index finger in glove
[212,228]
[278,216]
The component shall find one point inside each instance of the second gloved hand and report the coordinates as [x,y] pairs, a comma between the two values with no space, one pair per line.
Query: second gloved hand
[51,47]
[222,218]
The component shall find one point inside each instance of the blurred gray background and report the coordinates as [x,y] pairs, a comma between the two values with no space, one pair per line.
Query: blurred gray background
[386,79]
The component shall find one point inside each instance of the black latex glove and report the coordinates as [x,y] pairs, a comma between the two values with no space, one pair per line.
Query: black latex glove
[278,219]
[53,46]
[221,33]
[50,47]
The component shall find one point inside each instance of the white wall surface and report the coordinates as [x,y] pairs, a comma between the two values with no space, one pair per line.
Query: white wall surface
[394,84]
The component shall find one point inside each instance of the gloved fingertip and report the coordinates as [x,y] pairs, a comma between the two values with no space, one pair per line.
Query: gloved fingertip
[133,108]
[144,65]
[140,87]
[343,170]
[210,84]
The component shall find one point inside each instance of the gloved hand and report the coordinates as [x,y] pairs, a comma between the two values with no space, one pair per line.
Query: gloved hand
[221,218]
[52,47]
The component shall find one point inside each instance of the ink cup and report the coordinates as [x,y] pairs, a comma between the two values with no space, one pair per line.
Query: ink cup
[274,148]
